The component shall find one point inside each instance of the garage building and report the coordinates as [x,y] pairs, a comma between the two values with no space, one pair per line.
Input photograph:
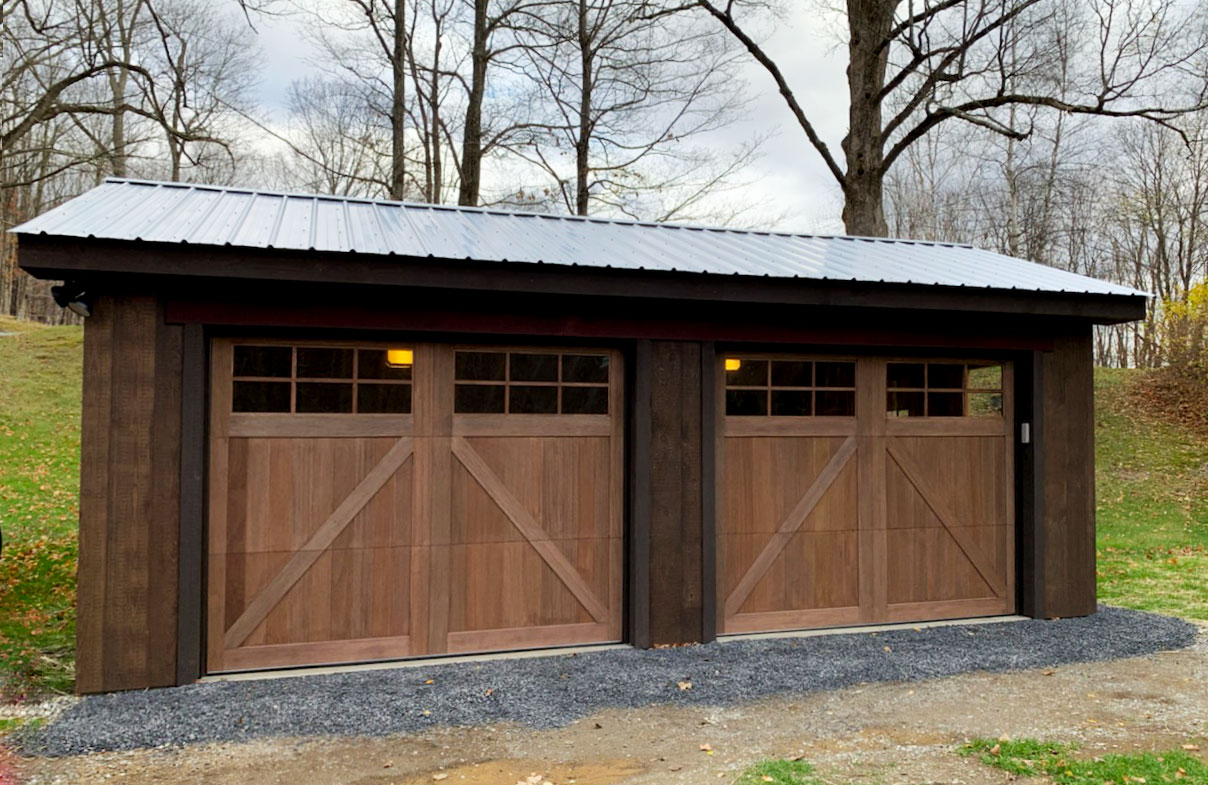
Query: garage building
[325,430]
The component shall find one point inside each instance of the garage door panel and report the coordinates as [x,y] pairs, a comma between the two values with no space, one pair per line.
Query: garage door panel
[968,472]
[810,572]
[916,523]
[385,521]
[511,585]
[370,592]
[930,566]
[558,482]
[765,479]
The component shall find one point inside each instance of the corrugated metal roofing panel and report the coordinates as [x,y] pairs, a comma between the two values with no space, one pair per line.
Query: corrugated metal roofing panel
[123,209]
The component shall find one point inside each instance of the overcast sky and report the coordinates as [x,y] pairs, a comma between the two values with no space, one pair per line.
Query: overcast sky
[798,192]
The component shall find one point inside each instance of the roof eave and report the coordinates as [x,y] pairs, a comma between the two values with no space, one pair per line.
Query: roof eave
[55,257]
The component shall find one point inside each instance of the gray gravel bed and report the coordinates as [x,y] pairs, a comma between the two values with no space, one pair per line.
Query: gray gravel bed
[553,691]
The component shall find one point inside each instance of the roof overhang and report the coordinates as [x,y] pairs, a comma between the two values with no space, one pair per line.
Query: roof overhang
[61,258]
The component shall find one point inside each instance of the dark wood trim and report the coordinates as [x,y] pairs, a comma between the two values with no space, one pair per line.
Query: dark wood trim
[59,258]
[708,484]
[192,504]
[639,385]
[598,319]
[1031,492]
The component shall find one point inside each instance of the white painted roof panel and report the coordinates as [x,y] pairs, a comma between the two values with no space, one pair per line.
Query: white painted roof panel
[122,209]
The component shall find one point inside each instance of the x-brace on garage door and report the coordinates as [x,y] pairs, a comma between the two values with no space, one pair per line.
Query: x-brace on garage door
[373,501]
[858,490]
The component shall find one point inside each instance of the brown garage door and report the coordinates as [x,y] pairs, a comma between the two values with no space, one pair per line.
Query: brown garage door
[373,501]
[855,490]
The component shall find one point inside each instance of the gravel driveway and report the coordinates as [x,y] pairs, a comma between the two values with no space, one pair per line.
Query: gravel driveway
[552,691]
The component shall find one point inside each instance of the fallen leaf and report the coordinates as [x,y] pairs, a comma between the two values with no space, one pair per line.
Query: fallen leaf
[706,748]
[1004,737]
[441,776]
[888,649]
[490,691]
[1049,672]
[1191,747]
[997,748]
[430,681]
[766,778]
[684,685]
[387,765]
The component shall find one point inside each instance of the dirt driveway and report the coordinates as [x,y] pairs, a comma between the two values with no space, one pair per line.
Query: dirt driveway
[881,734]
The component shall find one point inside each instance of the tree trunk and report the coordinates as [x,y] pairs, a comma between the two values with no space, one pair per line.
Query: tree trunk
[869,23]
[398,104]
[583,142]
[435,196]
[471,146]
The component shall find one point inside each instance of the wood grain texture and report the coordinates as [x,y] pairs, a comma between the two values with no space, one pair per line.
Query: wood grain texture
[1066,439]
[529,528]
[313,549]
[936,501]
[130,498]
[676,604]
[789,526]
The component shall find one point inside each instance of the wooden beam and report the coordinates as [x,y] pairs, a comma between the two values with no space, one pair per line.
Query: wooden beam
[191,586]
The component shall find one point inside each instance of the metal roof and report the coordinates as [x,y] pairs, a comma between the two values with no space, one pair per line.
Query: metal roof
[162,212]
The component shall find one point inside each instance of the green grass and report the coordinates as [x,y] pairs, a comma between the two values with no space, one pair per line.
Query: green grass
[39,483]
[779,772]
[1152,506]
[1021,756]
[1030,757]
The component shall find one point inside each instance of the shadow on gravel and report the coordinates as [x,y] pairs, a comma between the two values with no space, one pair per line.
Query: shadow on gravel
[553,691]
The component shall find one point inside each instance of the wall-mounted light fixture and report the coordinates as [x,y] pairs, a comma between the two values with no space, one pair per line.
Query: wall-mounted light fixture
[400,358]
[73,296]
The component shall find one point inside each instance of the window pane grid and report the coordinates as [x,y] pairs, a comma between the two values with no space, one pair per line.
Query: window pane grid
[786,387]
[530,382]
[943,399]
[376,391]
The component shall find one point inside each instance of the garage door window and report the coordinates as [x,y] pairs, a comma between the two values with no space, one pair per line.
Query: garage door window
[321,380]
[790,388]
[520,382]
[943,389]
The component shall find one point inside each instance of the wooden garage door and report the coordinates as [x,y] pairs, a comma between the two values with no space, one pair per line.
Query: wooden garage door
[374,501]
[856,490]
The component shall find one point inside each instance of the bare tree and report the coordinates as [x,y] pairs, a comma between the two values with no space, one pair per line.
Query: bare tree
[203,68]
[629,88]
[916,64]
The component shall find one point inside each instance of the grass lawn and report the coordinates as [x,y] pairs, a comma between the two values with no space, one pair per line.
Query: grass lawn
[39,481]
[1152,481]
[1028,757]
[1152,506]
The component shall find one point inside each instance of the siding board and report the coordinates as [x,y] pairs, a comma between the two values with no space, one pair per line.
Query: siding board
[1068,478]
[130,503]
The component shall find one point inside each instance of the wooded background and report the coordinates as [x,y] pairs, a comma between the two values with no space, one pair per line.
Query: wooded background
[1068,132]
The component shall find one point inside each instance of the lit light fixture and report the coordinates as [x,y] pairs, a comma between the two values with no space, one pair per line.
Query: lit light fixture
[400,358]
[733,363]
[73,296]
